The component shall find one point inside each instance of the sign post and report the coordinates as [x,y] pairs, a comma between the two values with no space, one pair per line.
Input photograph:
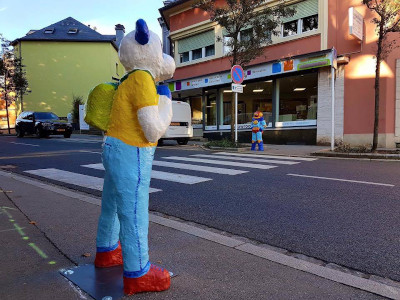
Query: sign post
[237,75]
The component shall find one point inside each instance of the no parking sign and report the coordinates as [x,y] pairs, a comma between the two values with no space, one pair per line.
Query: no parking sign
[237,74]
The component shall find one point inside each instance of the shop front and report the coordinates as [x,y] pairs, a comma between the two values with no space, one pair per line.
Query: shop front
[287,92]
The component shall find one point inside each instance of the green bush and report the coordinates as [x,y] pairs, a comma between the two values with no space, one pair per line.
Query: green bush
[347,148]
[225,143]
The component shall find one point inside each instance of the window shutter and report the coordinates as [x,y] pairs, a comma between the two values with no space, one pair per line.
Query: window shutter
[196,41]
[303,9]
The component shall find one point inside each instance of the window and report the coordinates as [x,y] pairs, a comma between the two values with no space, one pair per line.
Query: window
[210,50]
[184,57]
[197,53]
[305,18]
[73,30]
[290,28]
[246,35]
[310,23]
[196,46]
[49,30]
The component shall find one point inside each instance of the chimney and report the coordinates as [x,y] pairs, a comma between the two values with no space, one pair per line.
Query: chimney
[119,32]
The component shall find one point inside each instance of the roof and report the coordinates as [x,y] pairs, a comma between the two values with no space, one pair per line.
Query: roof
[59,32]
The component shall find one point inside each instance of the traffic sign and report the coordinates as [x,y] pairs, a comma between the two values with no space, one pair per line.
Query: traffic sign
[237,74]
[237,88]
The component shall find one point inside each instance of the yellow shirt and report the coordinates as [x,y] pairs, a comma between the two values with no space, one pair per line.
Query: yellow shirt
[136,91]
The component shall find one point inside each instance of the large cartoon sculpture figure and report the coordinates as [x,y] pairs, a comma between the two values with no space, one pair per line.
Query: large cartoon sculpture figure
[136,117]
[257,125]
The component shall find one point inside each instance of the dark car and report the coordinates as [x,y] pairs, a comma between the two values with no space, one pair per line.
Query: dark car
[42,124]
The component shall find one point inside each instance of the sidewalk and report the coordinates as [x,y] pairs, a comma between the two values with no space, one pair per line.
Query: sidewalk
[208,265]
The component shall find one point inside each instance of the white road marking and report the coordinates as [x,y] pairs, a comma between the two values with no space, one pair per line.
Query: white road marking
[87,151]
[225,163]
[33,145]
[268,156]
[344,180]
[197,168]
[78,141]
[255,160]
[86,181]
[167,176]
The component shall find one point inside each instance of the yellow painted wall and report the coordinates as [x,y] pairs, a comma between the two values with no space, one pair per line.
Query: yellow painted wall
[57,71]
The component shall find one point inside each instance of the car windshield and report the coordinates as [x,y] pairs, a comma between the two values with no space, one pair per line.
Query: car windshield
[45,116]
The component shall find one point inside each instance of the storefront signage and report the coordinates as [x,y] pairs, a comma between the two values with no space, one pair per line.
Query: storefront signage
[289,65]
[237,74]
[237,88]
[356,24]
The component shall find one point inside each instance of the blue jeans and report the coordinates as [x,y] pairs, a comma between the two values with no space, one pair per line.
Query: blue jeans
[125,204]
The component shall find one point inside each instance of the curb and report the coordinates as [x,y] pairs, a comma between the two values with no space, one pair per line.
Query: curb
[357,155]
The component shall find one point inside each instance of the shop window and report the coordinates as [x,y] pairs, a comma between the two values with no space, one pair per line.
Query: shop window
[211,108]
[210,50]
[255,96]
[310,23]
[197,53]
[298,97]
[184,57]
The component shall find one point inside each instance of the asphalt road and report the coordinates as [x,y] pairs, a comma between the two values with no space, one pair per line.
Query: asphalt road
[353,224]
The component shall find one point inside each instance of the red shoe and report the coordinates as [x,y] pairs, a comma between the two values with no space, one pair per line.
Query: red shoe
[109,258]
[157,279]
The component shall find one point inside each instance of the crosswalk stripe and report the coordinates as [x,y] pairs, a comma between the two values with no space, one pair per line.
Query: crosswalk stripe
[82,180]
[79,141]
[255,160]
[167,176]
[199,168]
[225,163]
[268,156]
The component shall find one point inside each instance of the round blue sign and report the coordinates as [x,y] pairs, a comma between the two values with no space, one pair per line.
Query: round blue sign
[237,74]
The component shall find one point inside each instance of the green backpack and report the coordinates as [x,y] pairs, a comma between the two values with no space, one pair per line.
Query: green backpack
[99,105]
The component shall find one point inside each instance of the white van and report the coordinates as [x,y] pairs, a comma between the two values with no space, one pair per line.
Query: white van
[181,128]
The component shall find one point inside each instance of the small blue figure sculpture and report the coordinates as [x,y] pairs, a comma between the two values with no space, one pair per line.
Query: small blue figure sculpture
[257,125]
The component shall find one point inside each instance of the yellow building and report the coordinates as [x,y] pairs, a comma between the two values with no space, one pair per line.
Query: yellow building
[64,60]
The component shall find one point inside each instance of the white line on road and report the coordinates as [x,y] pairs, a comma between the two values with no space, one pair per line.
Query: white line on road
[225,163]
[87,151]
[167,176]
[344,180]
[255,160]
[33,145]
[86,181]
[199,168]
[268,156]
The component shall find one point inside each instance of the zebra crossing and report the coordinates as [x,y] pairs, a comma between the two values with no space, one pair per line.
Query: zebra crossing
[221,163]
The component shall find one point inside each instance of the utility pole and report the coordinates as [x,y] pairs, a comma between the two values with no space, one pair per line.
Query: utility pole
[6,101]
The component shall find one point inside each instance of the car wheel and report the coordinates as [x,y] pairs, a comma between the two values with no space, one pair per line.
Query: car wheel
[182,141]
[38,133]
[19,133]
[67,135]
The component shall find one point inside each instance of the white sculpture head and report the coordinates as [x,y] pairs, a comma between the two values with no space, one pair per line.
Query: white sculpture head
[142,49]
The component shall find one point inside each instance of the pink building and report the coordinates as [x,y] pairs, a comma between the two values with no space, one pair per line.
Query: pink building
[292,82]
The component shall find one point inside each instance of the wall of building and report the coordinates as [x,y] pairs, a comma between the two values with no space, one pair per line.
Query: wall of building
[57,71]
[359,100]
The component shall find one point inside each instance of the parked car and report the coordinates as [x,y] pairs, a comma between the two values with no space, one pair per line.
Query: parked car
[41,124]
[181,128]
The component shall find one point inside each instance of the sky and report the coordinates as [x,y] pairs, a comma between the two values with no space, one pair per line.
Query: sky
[17,17]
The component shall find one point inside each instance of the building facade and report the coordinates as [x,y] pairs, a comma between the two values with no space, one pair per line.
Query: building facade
[324,52]
[64,60]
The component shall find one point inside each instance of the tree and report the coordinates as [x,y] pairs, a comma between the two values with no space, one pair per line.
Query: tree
[13,83]
[249,26]
[387,21]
